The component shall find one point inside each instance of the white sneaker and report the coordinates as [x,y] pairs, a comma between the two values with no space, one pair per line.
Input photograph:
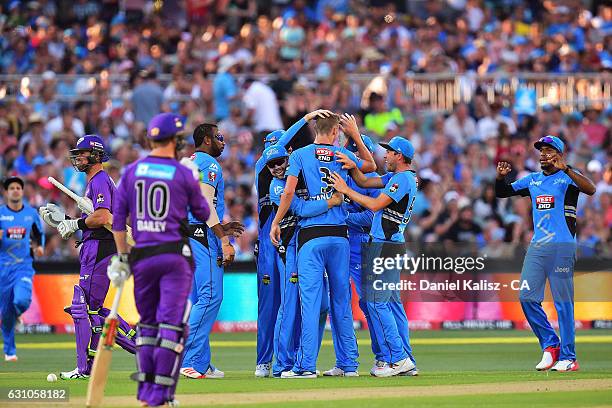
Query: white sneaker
[190,372]
[410,373]
[216,373]
[338,372]
[11,358]
[292,374]
[549,358]
[377,364]
[73,375]
[566,365]
[263,370]
[389,370]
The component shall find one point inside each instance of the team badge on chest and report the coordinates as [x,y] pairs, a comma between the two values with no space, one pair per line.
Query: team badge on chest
[545,202]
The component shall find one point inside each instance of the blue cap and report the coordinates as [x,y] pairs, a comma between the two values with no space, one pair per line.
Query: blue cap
[576,116]
[164,126]
[400,145]
[519,40]
[552,141]
[274,152]
[273,137]
[366,141]
[39,161]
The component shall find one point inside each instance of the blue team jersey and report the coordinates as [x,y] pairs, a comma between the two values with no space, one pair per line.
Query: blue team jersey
[18,227]
[390,222]
[314,164]
[263,178]
[553,205]
[359,219]
[211,174]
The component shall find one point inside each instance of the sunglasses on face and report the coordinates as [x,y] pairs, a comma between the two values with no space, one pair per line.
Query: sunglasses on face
[219,137]
[276,163]
[546,139]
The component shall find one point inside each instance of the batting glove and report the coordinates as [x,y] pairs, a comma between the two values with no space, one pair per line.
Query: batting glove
[118,269]
[52,215]
[67,227]
[85,205]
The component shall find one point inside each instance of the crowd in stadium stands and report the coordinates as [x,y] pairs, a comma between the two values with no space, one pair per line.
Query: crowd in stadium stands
[256,66]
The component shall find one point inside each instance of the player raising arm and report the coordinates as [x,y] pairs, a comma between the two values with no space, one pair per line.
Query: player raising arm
[322,246]
[552,251]
[268,294]
[392,207]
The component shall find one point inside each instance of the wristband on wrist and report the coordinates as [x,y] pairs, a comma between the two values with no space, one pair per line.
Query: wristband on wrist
[82,225]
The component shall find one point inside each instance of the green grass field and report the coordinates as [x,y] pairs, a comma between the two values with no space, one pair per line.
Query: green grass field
[458,369]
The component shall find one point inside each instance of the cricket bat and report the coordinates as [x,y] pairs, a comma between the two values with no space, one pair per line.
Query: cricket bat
[83,203]
[102,360]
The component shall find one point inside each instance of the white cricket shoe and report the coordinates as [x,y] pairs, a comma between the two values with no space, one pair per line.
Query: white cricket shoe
[191,372]
[214,373]
[263,370]
[389,370]
[73,375]
[410,373]
[566,365]
[549,358]
[377,364]
[10,358]
[338,372]
[292,374]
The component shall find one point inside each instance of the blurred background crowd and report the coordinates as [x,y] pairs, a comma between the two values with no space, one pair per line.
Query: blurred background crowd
[69,68]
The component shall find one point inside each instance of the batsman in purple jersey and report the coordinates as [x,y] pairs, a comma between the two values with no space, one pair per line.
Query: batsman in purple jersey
[156,193]
[96,249]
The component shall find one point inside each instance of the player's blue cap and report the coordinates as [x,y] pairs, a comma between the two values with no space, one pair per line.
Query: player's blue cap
[164,126]
[552,141]
[274,152]
[273,137]
[93,143]
[366,141]
[400,145]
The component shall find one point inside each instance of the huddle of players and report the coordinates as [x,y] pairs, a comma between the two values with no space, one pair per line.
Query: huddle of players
[307,251]
[316,210]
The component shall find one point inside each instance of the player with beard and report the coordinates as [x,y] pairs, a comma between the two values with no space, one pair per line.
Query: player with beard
[212,251]
[552,252]
[392,210]
[96,249]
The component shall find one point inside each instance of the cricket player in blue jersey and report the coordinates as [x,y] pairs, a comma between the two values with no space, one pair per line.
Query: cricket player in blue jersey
[359,221]
[212,251]
[268,282]
[286,329]
[552,251]
[392,210]
[322,245]
[20,236]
